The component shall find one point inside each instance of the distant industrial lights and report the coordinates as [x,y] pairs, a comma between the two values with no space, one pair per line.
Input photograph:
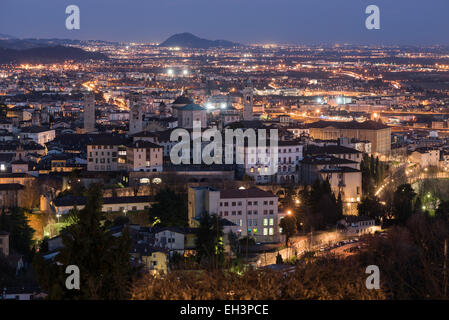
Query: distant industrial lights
[185,72]
[223,105]
[339,100]
[170,72]
[319,100]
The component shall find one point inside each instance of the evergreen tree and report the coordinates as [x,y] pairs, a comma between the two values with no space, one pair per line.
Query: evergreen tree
[103,260]
[170,209]
[21,234]
[403,202]
[209,241]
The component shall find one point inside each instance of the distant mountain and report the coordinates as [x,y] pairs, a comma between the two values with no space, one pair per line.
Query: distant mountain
[5,36]
[49,54]
[188,40]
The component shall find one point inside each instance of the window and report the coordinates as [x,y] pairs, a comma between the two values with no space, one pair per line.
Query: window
[265,212]
[249,212]
[255,212]
[271,221]
[271,202]
[255,203]
[239,212]
[250,203]
[271,212]
[233,204]
[265,231]
[233,213]
[226,213]
[271,231]
[265,203]
[225,204]
[265,222]
[254,222]
[239,203]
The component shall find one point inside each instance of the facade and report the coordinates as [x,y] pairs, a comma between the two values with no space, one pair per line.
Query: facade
[4,243]
[40,135]
[357,226]
[253,212]
[425,157]
[120,205]
[107,154]
[135,114]
[11,195]
[144,156]
[89,112]
[248,101]
[191,113]
[290,154]
[344,176]
[377,133]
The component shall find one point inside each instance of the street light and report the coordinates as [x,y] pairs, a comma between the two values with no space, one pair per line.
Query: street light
[58,215]
[289,212]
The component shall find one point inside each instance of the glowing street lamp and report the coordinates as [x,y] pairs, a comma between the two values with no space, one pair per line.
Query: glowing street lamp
[289,212]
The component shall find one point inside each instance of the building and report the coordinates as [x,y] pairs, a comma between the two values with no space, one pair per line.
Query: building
[357,226]
[89,112]
[107,153]
[154,259]
[40,135]
[121,205]
[377,133]
[144,156]
[136,114]
[335,151]
[4,243]
[290,153]
[191,113]
[11,195]
[252,211]
[248,101]
[425,157]
[344,176]
[347,182]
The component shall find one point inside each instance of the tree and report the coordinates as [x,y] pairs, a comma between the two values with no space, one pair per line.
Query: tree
[21,234]
[170,208]
[443,210]
[403,202]
[371,207]
[288,225]
[103,260]
[209,241]
[234,243]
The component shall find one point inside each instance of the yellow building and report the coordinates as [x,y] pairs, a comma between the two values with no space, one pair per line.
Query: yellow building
[377,133]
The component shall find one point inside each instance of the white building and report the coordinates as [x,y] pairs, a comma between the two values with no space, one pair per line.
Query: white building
[252,211]
[40,135]
[425,157]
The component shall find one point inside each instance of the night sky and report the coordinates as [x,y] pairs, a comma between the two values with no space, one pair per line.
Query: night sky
[246,21]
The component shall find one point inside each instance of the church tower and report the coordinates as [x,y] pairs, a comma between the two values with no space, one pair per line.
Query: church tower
[248,95]
[89,112]
[135,113]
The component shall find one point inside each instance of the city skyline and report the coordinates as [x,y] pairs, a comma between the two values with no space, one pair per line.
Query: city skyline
[284,22]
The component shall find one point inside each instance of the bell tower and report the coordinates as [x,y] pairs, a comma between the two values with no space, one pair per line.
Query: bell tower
[135,113]
[248,96]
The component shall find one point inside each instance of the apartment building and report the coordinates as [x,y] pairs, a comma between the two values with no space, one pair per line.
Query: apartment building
[252,211]
[144,156]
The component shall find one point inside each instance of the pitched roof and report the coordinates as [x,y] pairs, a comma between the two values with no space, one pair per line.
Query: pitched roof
[192,107]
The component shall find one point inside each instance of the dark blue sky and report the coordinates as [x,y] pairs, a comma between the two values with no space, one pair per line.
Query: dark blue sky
[247,21]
